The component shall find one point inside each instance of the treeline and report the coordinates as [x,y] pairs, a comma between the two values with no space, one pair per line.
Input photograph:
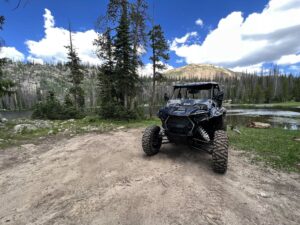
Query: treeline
[270,87]
[32,83]
[115,89]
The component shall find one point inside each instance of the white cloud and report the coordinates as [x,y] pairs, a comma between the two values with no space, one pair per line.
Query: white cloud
[250,69]
[147,69]
[51,48]
[240,42]
[184,39]
[289,59]
[11,53]
[199,22]
[35,60]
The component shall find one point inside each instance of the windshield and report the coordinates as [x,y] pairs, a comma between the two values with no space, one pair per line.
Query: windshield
[192,93]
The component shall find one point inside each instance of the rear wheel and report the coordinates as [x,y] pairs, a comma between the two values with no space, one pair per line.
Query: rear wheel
[151,140]
[220,151]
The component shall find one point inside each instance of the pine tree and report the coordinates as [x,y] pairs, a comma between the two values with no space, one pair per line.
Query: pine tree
[5,84]
[159,57]
[76,76]
[126,22]
[126,78]
[138,17]
[106,73]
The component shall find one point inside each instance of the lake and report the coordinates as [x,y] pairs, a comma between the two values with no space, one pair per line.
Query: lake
[282,118]
[16,114]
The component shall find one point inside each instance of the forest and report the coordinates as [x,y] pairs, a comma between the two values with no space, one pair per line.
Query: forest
[115,89]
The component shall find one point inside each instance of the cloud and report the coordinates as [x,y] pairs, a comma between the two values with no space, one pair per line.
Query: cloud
[11,53]
[51,48]
[35,60]
[241,42]
[250,68]
[289,59]
[199,22]
[184,39]
[147,69]
[179,61]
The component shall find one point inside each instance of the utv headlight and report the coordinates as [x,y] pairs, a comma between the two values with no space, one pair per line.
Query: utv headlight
[200,117]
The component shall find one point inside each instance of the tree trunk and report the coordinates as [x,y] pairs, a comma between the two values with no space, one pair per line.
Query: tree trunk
[153,89]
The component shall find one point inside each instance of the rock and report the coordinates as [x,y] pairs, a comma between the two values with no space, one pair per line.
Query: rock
[50,132]
[71,120]
[21,128]
[259,125]
[29,146]
[237,131]
[296,139]
[66,131]
[1,140]
[120,128]
[43,124]
[264,195]
[3,120]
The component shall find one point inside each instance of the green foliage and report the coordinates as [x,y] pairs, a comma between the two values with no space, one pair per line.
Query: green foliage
[5,84]
[274,146]
[113,110]
[160,49]
[118,76]
[76,77]
[159,56]
[52,109]
[2,19]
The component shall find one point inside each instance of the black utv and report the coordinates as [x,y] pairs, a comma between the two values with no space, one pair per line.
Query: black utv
[194,116]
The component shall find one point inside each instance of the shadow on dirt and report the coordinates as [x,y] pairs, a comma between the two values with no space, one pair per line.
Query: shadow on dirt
[183,154]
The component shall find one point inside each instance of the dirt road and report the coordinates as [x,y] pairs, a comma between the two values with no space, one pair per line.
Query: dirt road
[106,179]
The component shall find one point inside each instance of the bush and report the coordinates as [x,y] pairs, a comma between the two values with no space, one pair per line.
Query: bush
[52,109]
[113,110]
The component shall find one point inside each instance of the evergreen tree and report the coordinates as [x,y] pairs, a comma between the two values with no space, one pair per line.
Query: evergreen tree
[76,76]
[125,22]
[106,72]
[159,57]
[138,17]
[5,84]
[126,78]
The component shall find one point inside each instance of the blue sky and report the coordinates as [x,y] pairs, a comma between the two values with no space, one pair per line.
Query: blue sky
[241,35]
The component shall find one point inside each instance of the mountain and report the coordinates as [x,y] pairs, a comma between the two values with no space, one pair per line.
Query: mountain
[199,71]
[33,81]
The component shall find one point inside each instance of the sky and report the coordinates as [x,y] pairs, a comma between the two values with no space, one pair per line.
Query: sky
[241,35]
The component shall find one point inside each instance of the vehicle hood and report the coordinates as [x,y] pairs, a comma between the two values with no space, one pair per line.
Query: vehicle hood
[186,107]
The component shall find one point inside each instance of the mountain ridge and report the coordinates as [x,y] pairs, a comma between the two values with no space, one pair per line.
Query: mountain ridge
[199,71]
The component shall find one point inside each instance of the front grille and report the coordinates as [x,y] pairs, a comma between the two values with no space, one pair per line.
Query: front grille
[179,125]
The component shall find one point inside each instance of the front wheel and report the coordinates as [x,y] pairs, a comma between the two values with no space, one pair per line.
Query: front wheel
[151,140]
[220,151]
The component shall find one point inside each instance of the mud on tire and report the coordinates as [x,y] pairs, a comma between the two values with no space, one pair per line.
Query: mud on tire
[220,152]
[151,140]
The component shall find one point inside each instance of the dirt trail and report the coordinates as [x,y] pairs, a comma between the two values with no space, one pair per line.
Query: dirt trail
[106,179]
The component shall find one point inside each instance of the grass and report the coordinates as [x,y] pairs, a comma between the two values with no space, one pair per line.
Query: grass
[283,105]
[274,146]
[67,128]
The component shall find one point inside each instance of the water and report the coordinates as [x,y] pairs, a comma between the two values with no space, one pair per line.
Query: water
[281,118]
[287,119]
[16,114]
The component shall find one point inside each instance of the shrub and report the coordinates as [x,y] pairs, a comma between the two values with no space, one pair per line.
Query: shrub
[113,110]
[52,109]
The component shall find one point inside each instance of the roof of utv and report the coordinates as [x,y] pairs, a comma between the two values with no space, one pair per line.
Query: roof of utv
[204,85]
